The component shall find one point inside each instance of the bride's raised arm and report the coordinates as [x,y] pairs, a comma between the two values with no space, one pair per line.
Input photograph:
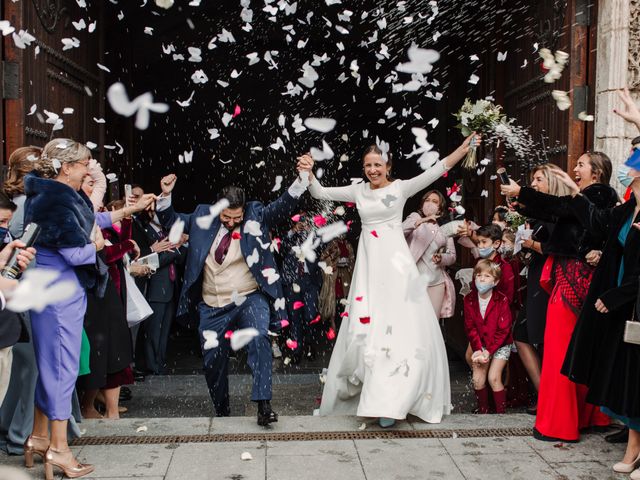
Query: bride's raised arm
[336,194]
[414,185]
[317,191]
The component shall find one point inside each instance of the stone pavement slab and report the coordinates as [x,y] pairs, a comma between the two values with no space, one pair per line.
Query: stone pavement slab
[512,466]
[590,448]
[128,460]
[314,461]
[489,445]
[406,459]
[154,426]
[210,461]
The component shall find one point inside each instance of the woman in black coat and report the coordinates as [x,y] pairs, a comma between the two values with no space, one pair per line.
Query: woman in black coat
[598,356]
[562,409]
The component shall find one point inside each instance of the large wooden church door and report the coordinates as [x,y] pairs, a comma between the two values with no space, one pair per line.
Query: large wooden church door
[561,137]
[46,75]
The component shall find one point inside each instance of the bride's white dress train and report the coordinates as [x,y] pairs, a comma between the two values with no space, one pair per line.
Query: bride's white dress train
[389,359]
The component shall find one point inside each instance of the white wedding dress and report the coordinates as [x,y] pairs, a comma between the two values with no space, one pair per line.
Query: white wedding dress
[389,359]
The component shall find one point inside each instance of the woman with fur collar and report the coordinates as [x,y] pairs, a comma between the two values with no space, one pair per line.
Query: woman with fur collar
[67,244]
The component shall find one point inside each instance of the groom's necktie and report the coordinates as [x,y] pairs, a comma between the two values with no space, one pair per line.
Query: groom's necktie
[223,248]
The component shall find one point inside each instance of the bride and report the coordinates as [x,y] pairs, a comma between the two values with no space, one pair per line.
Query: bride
[389,359]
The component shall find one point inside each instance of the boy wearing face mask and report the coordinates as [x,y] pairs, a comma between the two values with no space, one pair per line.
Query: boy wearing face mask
[489,240]
[487,322]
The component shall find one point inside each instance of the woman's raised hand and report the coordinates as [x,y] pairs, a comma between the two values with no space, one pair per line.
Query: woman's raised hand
[512,190]
[167,183]
[631,113]
[567,180]
[461,152]
[143,202]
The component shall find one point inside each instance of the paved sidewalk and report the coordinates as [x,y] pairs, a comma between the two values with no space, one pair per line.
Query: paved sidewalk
[463,447]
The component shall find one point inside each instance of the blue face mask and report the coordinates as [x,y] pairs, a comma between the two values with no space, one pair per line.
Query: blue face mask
[486,252]
[623,175]
[3,234]
[483,287]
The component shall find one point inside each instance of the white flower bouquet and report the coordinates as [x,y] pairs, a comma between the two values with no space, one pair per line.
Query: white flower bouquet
[482,117]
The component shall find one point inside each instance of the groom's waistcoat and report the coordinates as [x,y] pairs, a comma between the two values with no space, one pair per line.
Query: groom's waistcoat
[220,281]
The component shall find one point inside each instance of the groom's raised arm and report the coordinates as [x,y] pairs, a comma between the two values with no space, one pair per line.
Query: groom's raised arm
[164,209]
[283,207]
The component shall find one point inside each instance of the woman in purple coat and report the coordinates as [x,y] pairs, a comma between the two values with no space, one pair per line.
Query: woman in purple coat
[66,244]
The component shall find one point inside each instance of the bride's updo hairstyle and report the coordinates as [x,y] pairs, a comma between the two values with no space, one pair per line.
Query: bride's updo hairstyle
[375,149]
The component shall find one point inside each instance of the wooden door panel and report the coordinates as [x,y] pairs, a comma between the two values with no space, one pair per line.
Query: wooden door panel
[55,79]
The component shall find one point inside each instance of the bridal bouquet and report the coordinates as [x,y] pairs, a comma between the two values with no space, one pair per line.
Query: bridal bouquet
[482,117]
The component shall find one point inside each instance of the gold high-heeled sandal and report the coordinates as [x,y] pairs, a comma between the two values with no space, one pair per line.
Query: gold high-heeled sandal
[65,461]
[37,445]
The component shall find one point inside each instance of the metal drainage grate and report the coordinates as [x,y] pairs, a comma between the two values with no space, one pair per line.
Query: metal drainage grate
[301,436]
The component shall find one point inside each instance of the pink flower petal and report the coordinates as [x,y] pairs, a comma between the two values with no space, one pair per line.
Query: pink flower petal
[331,334]
[315,320]
[319,220]
[365,320]
[350,204]
[297,305]
[296,218]
[359,299]
[291,344]
[284,323]
[344,314]
[236,112]
[235,235]
[228,334]
[374,233]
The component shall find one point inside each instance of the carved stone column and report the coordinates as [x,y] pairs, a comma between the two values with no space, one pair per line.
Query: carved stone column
[618,64]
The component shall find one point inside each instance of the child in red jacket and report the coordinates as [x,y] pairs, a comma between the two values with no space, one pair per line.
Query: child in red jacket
[487,322]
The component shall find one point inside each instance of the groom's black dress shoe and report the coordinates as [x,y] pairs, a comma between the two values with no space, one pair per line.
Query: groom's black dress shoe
[265,414]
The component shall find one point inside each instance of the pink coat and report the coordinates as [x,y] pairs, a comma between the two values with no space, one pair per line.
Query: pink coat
[419,239]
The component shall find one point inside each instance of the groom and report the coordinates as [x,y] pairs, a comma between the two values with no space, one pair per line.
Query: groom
[233,282]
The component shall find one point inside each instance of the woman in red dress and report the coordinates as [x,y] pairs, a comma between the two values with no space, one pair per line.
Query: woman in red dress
[562,407]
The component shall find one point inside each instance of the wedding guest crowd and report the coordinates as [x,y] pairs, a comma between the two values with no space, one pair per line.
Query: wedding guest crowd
[552,288]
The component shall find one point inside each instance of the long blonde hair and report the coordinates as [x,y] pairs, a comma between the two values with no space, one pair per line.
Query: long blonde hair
[59,151]
[556,187]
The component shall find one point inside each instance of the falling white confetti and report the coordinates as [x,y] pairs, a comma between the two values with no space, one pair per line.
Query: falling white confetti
[421,61]
[69,43]
[271,275]
[325,154]
[253,258]
[39,288]
[562,99]
[186,157]
[175,234]
[323,125]
[141,105]
[210,339]
[242,337]
[278,184]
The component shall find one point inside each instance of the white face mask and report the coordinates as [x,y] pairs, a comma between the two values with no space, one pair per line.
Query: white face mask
[429,208]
